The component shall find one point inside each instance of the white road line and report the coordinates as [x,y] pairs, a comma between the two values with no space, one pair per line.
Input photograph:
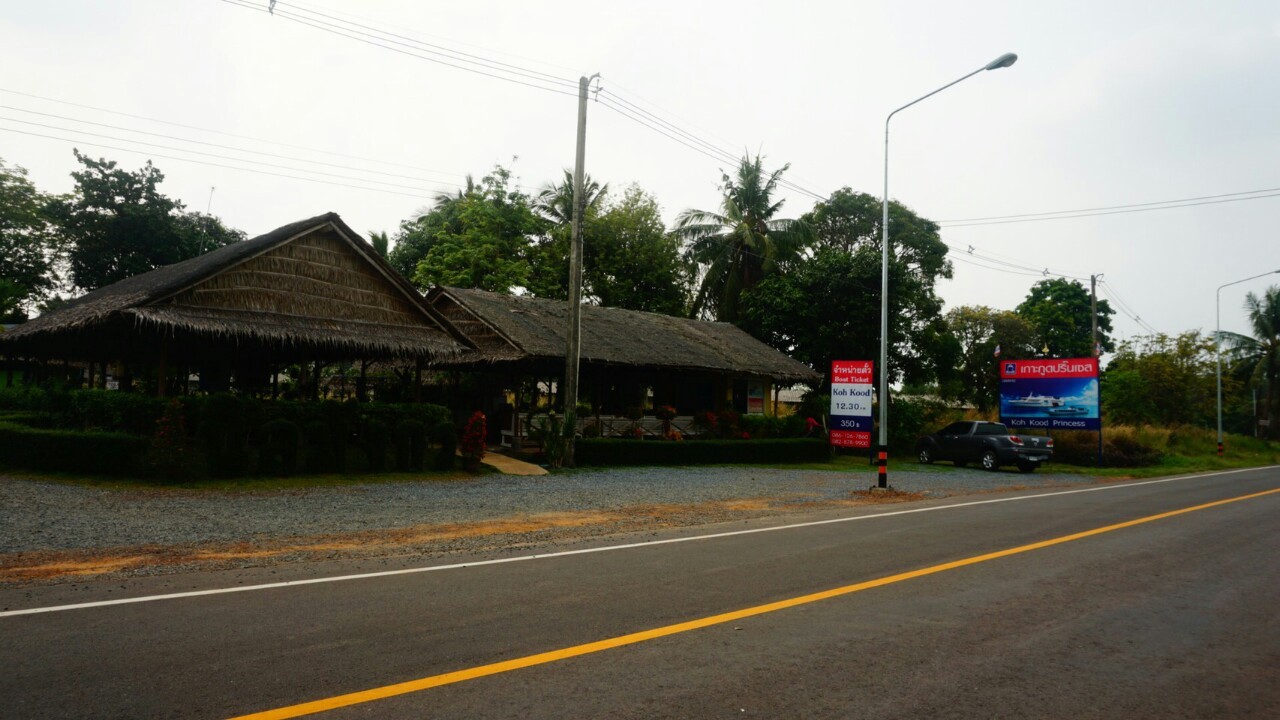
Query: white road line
[606,548]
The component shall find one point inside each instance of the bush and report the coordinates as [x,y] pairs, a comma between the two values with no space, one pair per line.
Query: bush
[446,436]
[411,445]
[279,455]
[1123,447]
[474,439]
[170,452]
[374,440]
[320,452]
[70,450]
[609,451]
[226,433]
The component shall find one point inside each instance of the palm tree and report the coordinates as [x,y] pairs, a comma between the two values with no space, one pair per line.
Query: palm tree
[555,201]
[742,244]
[380,242]
[1260,355]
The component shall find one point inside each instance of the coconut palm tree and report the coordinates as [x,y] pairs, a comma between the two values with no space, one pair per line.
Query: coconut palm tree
[742,244]
[555,201]
[1260,355]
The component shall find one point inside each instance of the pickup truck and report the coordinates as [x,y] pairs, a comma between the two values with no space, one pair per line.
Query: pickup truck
[987,443]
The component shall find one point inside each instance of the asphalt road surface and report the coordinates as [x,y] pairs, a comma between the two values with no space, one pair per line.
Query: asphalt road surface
[1047,603]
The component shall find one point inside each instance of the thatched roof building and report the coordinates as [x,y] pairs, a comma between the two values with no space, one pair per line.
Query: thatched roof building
[509,329]
[310,290]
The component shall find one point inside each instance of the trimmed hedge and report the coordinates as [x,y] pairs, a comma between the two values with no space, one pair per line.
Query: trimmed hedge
[75,451]
[613,451]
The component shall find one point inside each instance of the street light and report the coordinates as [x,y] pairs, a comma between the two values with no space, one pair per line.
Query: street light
[1217,342]
[1003,61]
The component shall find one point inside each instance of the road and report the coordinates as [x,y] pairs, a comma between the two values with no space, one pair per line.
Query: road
[1033,604]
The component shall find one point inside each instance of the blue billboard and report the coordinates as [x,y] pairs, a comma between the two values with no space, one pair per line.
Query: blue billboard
[1050,394]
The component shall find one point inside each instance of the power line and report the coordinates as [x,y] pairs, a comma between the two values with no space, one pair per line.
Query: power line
[1111,207]
[1113,212]
[1124,307]
[373,40]
[225,157]
[446,51]
[971,251]
[206,144]
[224,133]
[419,196]
[343,28]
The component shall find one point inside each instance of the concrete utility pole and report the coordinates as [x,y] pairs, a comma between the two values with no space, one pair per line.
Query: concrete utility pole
[1093,312]
[573,342]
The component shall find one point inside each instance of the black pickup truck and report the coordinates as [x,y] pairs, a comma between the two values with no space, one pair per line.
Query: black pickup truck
[987,443]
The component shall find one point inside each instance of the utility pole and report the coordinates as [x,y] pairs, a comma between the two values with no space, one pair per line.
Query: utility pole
[573,342]
[1093,311]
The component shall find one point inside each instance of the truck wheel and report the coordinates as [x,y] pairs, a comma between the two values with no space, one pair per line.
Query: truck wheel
[926,457]
[990,461]
[1026,467]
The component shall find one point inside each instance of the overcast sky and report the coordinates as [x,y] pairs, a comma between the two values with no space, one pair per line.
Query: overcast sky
[1110,103]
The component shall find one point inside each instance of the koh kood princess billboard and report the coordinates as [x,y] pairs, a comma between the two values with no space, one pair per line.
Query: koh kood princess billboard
[1050,394]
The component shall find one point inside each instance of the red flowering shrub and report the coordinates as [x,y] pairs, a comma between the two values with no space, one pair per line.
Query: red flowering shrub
[170,447]
[473,438]
[665,413]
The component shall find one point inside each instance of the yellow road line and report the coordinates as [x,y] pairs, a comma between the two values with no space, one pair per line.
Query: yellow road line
[386,691]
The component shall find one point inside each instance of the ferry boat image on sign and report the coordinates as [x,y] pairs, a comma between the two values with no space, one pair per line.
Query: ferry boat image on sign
[1068,411]
[1035,401]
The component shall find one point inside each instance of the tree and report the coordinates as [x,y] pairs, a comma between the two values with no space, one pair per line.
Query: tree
[28,250]
[1162,380]
[118,224]
[1059,310]
[629,260]
[416,235]
[489,245]
[742,244]
[1259,356]
[555,201]
[828,308]
[979,331]
[380,242]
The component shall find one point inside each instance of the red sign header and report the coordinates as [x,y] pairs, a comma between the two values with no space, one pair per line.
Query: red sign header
[1032,369]
[852,372]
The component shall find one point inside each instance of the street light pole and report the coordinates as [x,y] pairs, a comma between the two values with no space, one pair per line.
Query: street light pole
[1003,61]
[1217,342]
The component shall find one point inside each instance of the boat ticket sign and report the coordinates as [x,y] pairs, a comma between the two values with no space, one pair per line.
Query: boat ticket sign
[852,394]
[1050,394]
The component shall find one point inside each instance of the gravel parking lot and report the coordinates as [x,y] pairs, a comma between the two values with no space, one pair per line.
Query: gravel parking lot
[42,516]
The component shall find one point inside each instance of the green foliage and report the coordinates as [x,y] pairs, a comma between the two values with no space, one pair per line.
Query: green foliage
[611,451]
[1123,447]
[446,436]
[170,451]
[375,438]
[225,430]
[1059,310]
[488,244]
[28,247]
[549,433]
[761,427]
[1162,380]
[279,453]
[75,451]
[742,244]
[979,331]
[118,224]
[828,309]
[629,261]
[411,445]
[1257,358]
[321,453]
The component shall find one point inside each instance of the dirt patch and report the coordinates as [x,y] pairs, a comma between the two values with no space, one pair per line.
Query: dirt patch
[432,539]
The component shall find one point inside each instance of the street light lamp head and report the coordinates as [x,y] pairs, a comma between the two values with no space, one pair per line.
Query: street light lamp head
[1003,61]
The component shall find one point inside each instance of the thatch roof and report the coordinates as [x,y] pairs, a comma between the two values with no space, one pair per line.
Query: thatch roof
[507,328]
[312,286]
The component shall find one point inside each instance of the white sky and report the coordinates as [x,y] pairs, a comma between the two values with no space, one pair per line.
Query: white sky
[1110,103]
